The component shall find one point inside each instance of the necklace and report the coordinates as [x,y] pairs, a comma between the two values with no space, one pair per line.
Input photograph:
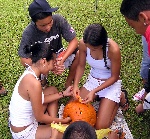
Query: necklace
[29,68]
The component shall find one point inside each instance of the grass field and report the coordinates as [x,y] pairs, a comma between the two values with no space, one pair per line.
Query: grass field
[80,13]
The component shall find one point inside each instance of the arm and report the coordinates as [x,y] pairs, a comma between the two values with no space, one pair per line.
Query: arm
[58,95]
[35,95]
[69,34]
[81,66]
[73,44]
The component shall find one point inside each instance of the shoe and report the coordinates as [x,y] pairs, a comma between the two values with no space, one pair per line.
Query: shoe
[138,96]
[3,92]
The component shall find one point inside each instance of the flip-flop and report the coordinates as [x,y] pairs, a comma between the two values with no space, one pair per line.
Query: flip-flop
[126,104]
[3,92]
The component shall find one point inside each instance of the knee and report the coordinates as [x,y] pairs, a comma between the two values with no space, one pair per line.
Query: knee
[102,125]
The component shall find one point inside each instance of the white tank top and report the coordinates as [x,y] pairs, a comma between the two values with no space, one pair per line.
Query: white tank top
[98,69]
[21,113]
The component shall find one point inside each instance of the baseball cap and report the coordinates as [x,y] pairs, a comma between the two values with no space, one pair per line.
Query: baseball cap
[38,6]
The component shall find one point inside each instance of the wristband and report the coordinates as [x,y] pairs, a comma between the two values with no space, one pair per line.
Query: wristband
[61,93]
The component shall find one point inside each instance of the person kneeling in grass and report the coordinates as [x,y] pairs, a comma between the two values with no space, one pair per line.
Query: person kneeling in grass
[30,104]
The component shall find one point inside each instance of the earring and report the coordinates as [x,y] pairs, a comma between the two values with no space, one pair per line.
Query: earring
[145,24]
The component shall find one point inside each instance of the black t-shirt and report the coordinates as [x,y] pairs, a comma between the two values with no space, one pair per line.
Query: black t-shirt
[60,28]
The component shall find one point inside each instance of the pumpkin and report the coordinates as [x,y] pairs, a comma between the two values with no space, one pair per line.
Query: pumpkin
[78,111]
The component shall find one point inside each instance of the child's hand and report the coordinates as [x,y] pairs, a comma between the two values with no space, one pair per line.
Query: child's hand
[76,92]
[66,120]
[89,97]
[68,91]
[59,67]
[54,133]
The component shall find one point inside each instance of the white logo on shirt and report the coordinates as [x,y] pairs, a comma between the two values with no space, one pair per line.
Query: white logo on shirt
[48,40]
[72,30]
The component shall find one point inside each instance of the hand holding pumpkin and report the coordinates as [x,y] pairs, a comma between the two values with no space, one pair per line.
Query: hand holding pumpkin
[89,98]
[66,120]
[76,92]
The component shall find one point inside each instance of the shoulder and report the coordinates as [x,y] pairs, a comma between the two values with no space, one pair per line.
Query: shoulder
[31,80]
[113,46]
[82,45]
[113,49]
[58,17]
[29,29]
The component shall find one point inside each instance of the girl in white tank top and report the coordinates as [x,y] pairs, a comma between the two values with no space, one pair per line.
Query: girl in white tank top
[104,58]
[30,104]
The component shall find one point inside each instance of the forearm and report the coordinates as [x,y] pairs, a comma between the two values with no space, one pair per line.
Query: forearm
[52,97]
[45,118]
[79,74]
[110,81]
[70,49]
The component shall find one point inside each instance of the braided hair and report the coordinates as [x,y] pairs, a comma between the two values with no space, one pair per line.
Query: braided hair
[95,35]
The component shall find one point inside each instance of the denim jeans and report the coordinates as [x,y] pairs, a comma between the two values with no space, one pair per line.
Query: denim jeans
[145,64]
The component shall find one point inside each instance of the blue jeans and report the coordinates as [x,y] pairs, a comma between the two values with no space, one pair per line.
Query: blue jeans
[145,64]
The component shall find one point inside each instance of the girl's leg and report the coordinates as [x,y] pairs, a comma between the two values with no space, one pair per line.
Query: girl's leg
[72,71]
[106,113]
[52,108]
[45,132]
[113,135]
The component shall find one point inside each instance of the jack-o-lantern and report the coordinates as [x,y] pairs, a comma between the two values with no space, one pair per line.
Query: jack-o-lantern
[78,111]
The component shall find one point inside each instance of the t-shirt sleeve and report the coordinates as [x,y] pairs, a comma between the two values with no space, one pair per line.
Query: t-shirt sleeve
[68,32]
[25,40]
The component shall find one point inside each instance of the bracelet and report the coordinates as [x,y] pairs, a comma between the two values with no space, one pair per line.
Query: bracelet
[62,94]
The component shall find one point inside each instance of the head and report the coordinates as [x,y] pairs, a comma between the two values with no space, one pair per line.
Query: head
[80,130]
[95,36]
[137,14]
[41,55]
[41,14]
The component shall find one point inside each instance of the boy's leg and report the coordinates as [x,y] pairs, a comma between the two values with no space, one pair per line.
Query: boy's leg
[72,71]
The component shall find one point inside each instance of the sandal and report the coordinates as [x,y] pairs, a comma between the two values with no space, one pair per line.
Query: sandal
[3,92]
[125,106]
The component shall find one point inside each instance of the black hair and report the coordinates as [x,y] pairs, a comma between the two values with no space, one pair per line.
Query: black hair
[132,8]
[40,16]
[95,35]
[80,130]
[39,50]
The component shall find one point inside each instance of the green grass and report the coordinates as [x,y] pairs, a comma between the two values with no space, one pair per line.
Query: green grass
[80,13]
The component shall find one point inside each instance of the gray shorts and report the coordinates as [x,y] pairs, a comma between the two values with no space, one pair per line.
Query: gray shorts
[68,62]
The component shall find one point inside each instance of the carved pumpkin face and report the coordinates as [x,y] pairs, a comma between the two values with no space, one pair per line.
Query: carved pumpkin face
[80,112]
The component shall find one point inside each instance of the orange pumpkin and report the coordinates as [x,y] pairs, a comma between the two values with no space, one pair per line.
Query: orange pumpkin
[78,111]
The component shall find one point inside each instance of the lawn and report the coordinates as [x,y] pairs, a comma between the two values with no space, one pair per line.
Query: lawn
[80,13]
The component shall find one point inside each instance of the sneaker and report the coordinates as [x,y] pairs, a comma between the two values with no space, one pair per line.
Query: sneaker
[138,96]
